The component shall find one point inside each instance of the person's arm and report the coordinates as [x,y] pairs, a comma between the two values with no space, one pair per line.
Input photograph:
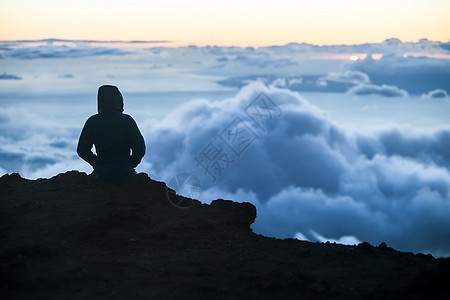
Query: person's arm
[137,145]
[85,145]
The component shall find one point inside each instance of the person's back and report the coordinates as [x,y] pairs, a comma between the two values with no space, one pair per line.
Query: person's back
[114,135]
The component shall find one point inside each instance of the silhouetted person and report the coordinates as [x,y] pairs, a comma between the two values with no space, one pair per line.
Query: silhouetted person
[118,142]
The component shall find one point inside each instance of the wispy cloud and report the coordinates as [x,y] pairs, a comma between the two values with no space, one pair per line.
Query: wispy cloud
[383,90]
[57,51]
[66,76]
[6,76]
[354,77]
[437,93]
[84,41]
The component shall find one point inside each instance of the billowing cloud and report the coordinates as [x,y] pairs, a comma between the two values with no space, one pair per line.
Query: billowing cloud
[383,90]
[307,176]
[437,93]
[6,76]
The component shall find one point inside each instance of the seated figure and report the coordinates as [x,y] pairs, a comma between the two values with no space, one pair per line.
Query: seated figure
[119,144]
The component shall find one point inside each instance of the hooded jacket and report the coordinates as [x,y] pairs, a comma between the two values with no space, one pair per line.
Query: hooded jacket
[119,144]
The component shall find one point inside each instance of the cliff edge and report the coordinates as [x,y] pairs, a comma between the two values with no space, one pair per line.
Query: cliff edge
[74,237]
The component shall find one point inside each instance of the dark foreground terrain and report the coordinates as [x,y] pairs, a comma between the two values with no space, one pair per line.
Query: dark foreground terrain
[73,237]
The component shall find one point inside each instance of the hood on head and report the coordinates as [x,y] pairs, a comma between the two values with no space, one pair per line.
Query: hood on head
[109,99]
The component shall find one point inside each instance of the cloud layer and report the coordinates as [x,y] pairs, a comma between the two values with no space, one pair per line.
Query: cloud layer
[35,146]
[417,75]
[352,82]
[416,67]
[60,51]
[308,176]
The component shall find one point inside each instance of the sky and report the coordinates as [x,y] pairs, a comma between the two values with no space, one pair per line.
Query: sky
[226,23]
[355,145]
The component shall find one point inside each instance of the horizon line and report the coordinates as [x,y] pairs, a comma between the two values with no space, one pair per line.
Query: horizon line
[186,44]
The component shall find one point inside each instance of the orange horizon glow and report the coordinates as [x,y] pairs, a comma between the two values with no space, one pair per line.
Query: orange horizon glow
[232,23]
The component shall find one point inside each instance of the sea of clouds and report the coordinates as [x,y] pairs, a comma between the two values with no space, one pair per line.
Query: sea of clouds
[309,176]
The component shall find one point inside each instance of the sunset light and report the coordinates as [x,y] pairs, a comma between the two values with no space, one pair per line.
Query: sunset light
[234,22]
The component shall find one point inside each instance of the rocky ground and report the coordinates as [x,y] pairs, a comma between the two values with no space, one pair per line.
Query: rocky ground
[74,237]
